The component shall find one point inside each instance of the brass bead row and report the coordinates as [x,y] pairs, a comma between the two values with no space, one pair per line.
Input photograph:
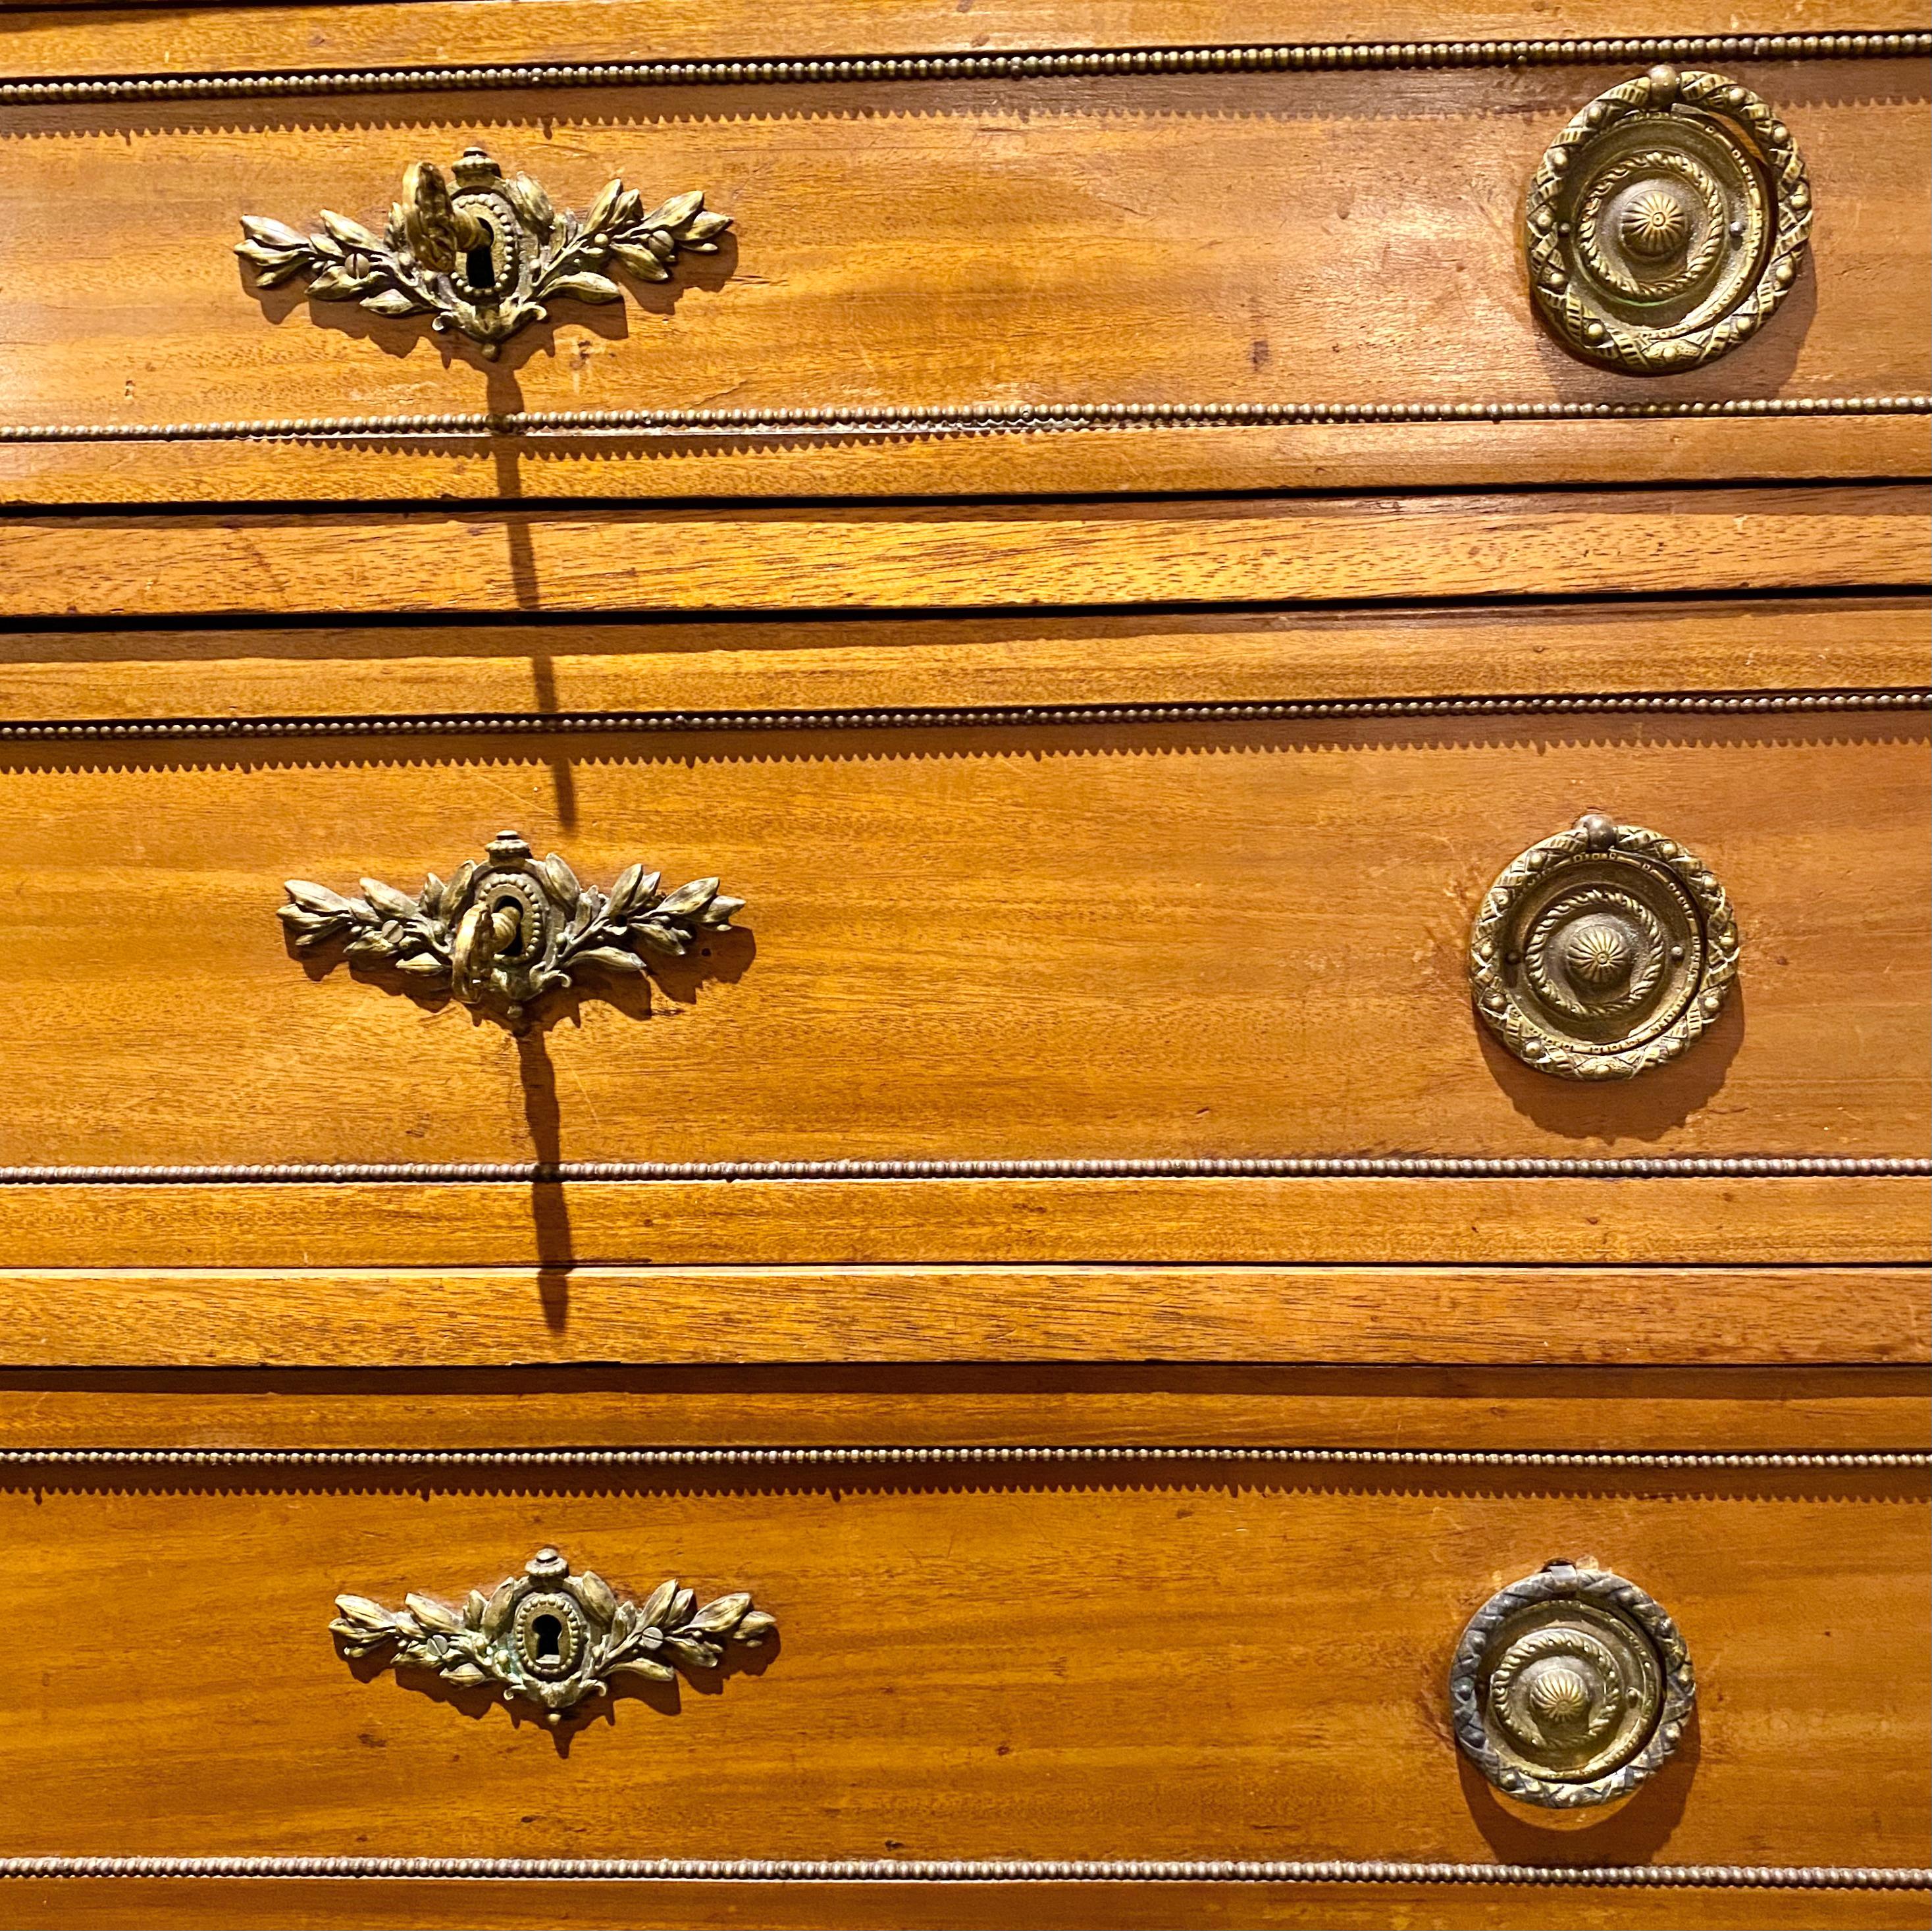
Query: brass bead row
[990,1870]
[499,1460]
[1313,58]
[1725,704]
[950,418]
[1629,1166]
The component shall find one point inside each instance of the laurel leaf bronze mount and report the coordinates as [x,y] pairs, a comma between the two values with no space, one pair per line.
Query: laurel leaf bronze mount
[483,257]
[500,935]
[551,1638]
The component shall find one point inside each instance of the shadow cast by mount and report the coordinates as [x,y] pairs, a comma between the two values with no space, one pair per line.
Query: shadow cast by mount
[724,957]
[1656,1104]
[399,336]
[1631,1832]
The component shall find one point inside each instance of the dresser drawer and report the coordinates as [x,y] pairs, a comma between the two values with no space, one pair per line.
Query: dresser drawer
[1126,936]
[1048,264]
[1182,935]
[1017,1654]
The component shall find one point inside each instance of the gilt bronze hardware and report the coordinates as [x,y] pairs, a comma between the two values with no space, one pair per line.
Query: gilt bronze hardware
[1570,1687]
[501,934]
[1667,222]
[484,256]
[551,1638]
[1602,952]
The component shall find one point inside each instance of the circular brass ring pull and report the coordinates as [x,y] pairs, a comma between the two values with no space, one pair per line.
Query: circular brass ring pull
[1602,951]
[1667,222]
[1569,1688]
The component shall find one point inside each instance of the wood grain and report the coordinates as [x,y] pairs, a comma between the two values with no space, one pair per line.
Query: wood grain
[409,1317]
[1682,1222]
[975,556]
[1768,643]
[50,40]
[1716,1409]
[103,1904]
[1043,1661]
[1075,942]
[1104,940]
[1347,456]
[1343,237]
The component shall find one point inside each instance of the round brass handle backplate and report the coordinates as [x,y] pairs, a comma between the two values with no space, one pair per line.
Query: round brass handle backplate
[1602,952]
[1667,222]
[1569,1688]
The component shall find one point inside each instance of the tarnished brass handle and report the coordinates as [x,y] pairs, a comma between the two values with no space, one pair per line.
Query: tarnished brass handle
[484,257]
[1667,222]
[1570,1687]
[439,232]
[482,936]
[1602,951]
[551,1638]
[501,934]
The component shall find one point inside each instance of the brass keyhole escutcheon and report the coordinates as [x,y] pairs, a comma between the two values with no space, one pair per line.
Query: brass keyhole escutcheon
[482,253]
[501,934]
[552,1638]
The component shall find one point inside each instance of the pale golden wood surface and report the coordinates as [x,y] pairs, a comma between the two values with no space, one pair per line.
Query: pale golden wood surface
[286,1905]
[964,556]
[408,1316]
[144,39]
[1347,456]
[1530,1406]
[1106,939]
[1074,942]
[1343,237]
[1714,1221]
[1042,1659]
[1762,644]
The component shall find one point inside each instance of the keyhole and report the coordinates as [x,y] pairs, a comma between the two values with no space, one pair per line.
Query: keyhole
[549,1633]
[479,269]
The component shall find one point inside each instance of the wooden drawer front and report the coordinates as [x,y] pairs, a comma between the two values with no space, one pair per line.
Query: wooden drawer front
[1203,243]
[1193,939]
[1038,1657]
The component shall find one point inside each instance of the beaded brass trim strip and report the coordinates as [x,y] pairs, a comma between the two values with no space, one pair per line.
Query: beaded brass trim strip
[1636,1167]
[988,1870]
[1306,57]
[487,723]
[969,418]
[779,1458]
